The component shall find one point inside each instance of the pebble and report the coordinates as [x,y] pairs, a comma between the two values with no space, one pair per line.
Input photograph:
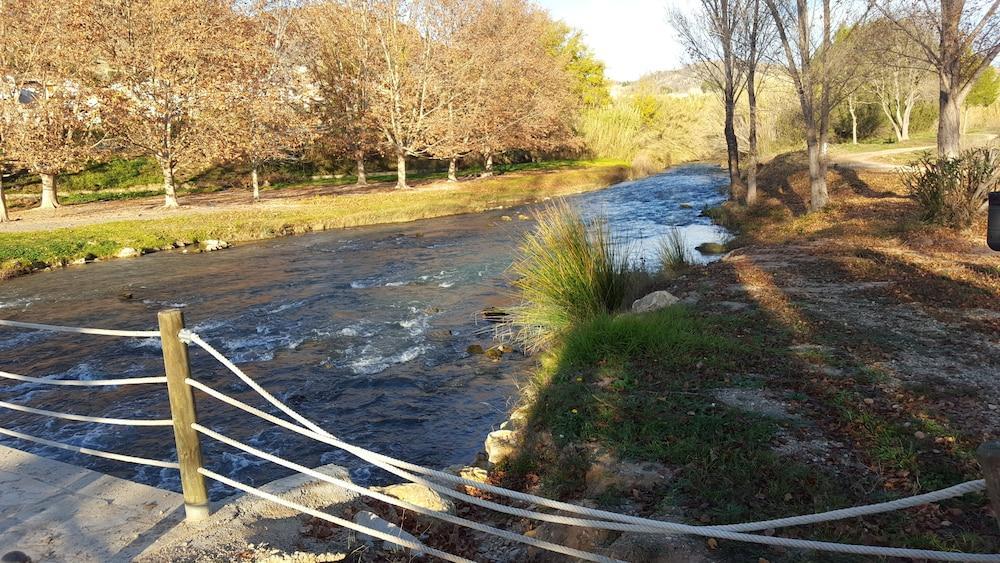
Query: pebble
[919,435]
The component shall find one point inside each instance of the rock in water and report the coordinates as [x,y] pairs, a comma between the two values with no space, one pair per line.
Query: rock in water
[369,520]
[500,444]
[419,495]
[128,252]
[15,557]
[212,245]
[474,349]
[711,248]
[654,302]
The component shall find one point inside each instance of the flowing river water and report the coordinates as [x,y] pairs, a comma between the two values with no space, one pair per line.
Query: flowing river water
[364,331]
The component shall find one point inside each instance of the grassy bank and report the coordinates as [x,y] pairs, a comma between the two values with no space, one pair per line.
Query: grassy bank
[22,252]
[807,372]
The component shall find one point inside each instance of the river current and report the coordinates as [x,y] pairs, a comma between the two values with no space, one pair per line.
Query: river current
[364,331]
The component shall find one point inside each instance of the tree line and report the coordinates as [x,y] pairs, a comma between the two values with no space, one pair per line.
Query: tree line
[192,82]
[836,54]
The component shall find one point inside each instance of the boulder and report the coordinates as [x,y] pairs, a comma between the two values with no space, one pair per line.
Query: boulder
[711,248]
[474,349]
[128,252]
[500,444]
[658,548]
[369,520]
[654,302]
[419,495]
[476,474]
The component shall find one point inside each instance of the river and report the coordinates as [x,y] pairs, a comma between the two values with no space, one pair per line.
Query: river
[362,330]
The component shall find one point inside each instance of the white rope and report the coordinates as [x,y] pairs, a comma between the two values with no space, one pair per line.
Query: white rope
[642,525]
[82,382]
[88,451]
[417,547]
[82,418]
[400,503]
[78,330]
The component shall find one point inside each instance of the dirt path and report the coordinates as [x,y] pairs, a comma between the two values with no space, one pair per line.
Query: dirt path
[871,160]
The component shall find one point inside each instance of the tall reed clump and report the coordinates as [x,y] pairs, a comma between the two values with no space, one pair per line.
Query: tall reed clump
[569,270]
[672,252]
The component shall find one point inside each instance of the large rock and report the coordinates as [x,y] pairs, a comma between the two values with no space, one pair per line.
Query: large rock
[500,444]
[658,548]
[711,248]
[654,302]
[419,495]
[369,520]
[128,252]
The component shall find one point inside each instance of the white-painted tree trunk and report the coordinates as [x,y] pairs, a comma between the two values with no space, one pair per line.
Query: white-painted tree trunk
[854,120]
[255,183]
[401,171]
[50,199]
[4,217]
[453,170]
[362,176]
[488,165]
[169,190]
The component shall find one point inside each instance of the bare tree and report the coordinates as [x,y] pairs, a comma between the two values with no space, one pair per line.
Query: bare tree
[820,71]
[755,42]
[170,63]
[709,37]
[959,39]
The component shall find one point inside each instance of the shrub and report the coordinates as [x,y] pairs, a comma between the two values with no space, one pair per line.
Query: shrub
[672,251]
[950,191]
[569,270]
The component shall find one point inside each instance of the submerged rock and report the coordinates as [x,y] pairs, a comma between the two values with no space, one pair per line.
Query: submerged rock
[475,349]
[711,248]
[419,495]
[494,354]
[654,302]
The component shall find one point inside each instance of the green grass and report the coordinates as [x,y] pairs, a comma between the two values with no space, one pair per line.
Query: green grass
[23,251]
[642,386]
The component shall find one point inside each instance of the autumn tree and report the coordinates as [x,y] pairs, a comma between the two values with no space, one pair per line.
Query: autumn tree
[48,114]
[821,72]
[170,63]
[959,39]
[344,54]
[710,36]
[267,107]
[984,92]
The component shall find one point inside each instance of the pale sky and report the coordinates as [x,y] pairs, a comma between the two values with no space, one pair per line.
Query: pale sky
[632,37]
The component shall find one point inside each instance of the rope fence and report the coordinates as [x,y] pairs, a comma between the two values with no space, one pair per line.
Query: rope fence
[180,385]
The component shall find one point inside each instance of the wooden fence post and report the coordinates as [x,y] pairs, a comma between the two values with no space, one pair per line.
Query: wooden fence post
[989,458]
[182,410]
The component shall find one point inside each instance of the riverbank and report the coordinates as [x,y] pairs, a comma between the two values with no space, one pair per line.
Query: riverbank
[831,359]
[89,232]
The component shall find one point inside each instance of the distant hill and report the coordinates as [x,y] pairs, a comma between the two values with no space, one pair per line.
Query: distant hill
[680,81]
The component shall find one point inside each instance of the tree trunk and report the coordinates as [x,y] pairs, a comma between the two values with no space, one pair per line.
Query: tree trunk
[4,217]
[854,120]
[754,155]
[50,198]
[949,125]
[255,183]
[488,165]
[362,176]
[949,138]
[817,178]
[401,171]
[453,170]
[169,191]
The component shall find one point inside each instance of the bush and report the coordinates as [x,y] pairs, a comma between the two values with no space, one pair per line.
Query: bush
[569,270]
[950,191]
